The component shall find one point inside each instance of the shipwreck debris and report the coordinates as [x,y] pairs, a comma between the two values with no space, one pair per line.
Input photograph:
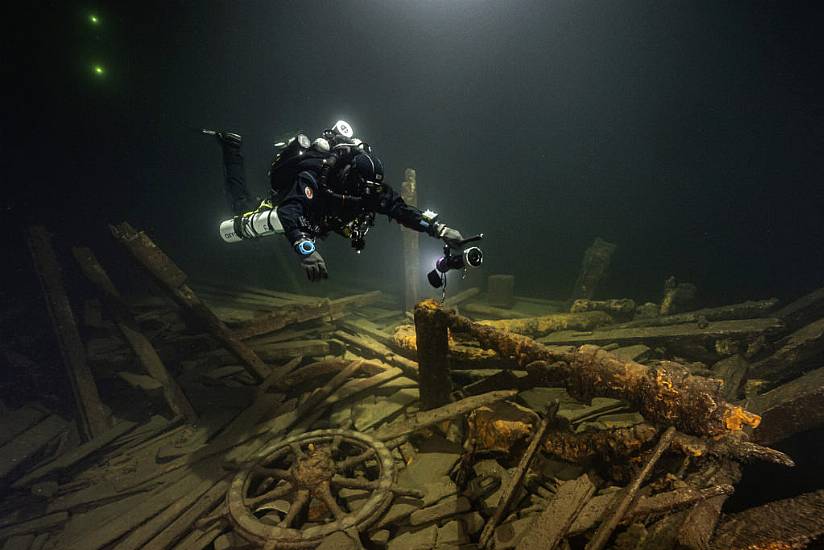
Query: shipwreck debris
[604,532]
[594,268]
[142,347]
[411,244]
[667,394]
[92,416]
[336,445]
[500,291]
[511,489]
[433,355]
[173,280]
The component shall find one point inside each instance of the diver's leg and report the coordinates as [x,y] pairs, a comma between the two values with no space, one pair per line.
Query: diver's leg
[234,174]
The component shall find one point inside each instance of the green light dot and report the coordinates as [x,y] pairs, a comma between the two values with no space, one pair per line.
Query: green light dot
[94,20]
[98,70]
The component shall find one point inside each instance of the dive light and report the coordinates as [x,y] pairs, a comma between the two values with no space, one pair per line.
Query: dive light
[471,257]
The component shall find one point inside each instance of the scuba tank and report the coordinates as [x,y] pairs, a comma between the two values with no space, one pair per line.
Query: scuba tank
[260,222]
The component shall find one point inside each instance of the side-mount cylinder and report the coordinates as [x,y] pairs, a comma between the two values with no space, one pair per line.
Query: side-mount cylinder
[252,225]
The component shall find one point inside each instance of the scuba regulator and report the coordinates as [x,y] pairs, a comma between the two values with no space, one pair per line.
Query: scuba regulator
[471,257]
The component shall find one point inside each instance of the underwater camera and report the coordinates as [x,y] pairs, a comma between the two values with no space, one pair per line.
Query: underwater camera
[471,257]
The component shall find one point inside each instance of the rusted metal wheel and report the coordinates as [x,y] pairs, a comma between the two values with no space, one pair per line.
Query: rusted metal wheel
[289,497]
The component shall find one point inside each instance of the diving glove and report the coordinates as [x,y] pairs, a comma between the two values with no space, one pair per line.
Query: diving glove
[451,237]
[314,266]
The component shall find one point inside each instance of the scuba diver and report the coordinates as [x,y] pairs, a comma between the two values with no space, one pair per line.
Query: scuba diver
[332,184]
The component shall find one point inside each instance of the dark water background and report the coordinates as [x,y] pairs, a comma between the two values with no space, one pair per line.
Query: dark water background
[688,133]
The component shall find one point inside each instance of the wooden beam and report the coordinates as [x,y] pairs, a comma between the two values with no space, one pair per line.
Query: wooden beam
[791,408]
[93,418]
[170,277]
[142,347]
[411,245]
[667,334]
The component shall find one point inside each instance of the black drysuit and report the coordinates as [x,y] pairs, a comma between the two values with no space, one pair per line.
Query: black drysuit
[306,209]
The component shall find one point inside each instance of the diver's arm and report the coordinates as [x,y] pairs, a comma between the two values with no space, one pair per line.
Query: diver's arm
[391,204]
[293,207]
[292,215]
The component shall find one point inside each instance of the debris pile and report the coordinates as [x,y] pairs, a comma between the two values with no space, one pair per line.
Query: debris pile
[226,416]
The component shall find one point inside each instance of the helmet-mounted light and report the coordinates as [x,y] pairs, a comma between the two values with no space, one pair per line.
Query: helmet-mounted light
[343,128]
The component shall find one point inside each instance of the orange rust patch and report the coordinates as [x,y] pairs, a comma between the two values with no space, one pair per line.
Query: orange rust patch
[735,418]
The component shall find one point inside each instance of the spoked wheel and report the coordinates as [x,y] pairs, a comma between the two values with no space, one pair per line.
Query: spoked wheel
[289,497]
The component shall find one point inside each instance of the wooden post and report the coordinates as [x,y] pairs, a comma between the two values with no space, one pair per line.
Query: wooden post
[92,416]
[594,268]
[411,244]
[500,291]
[130,330]
[433,354]
[171,278]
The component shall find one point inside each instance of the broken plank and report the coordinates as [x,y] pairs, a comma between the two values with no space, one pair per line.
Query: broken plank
[24,448]
[549,529]
[790,359]
[278,374]
[604,532]
[184,522]
[280,351]
[733,371]
[372,348]
[491,312]
[198,539]
[594,510]
[17,421]
[18,542]
[92,416]
[143,434]
[42,524]
[804,310]
[282,317]
[358,385]
[355,300]
[791,408]
[790,523]
[511,489]
[141,346]
[364,326]
[69,459]
[310,372]
[139,537]
[173,280]
[320,394]
[427,418]
[701,520]
[259,291]
[744,310]
[461,297]
[153,503]
[665,334]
